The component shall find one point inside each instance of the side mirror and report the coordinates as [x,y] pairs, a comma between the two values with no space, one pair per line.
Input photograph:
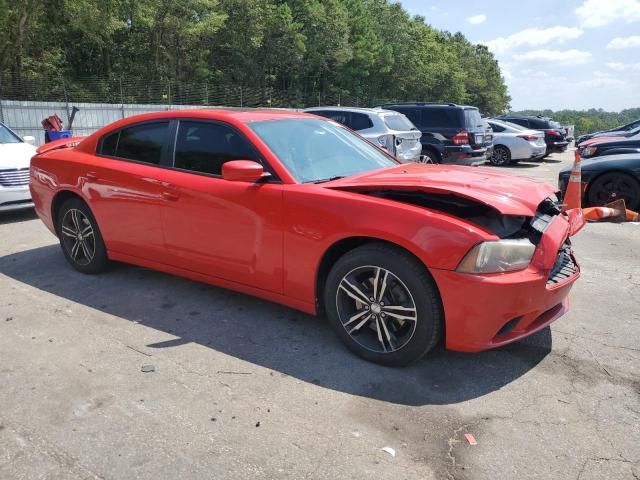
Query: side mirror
[29,139]
[243,171]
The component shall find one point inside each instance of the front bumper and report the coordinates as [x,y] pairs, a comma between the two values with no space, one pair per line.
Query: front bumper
[488,311]
[15,198]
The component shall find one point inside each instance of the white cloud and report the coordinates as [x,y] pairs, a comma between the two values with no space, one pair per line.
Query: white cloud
[601,82]
[477,19]
[566,57]
[622,67]
[597,13]
[625,42]
[534,37]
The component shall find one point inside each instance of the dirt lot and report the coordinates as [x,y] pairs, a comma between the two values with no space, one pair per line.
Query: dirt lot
[242,388]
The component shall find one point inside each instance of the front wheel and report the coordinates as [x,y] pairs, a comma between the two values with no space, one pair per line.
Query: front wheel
[384,305]
[615,186]
[80,237]
[501,156]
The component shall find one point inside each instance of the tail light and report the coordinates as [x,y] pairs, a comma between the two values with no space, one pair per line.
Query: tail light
[461,138]
[528,138]
[550,133]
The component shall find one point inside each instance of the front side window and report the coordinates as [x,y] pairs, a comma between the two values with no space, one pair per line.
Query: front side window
[314,150]
[142,143]
[204,147]
[6,136]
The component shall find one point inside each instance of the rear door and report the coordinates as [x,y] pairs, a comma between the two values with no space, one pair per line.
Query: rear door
[224,229]
[127,189]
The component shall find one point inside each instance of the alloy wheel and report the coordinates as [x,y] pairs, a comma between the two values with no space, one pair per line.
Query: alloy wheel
[376,309]
[615,187]
[500,156]
[78,236]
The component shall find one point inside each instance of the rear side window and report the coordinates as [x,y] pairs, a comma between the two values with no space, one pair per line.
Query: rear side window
[472,118]
[360,121]
[441,118]
[142,143]
[204,147]
[520,121]
[496,127]
[398,122]
[539,124]
[413,114]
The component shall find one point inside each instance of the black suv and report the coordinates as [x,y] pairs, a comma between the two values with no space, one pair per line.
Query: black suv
[450,133]
[553,131]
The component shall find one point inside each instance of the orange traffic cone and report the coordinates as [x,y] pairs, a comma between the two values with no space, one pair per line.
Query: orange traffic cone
[595,214]
[573,194]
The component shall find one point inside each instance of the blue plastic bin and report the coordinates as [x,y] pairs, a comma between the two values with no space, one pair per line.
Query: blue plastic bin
[58,135]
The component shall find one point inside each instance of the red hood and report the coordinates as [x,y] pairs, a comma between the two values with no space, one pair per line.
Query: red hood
[591,141]
[509,194]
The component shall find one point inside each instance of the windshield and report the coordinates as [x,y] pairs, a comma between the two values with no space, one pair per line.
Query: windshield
[398,122]
[315,150]
[7,136]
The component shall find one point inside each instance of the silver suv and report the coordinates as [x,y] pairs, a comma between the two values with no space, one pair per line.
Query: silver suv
[391,130]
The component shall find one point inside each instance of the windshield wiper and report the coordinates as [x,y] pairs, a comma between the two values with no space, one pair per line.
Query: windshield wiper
[323,180]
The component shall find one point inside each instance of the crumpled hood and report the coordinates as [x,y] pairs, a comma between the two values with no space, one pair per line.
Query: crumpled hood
[16,155]
[509,194]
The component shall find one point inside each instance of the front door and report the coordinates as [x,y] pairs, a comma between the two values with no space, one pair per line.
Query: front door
[229,230]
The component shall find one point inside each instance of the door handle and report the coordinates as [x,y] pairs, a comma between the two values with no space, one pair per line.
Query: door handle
[170,196]
[91,176]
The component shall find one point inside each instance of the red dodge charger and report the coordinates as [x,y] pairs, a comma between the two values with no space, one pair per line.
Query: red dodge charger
[299,210]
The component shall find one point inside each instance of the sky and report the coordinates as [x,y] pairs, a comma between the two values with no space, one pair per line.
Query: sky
[557,54]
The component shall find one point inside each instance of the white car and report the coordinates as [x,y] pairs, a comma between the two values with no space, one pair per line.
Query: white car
[15,158]
[512,143]
[389,129]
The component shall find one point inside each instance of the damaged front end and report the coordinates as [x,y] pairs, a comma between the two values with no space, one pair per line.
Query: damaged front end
[478,213]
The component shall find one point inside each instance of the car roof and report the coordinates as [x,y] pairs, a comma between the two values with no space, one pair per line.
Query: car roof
[239,114]
[375,110]
[426,104]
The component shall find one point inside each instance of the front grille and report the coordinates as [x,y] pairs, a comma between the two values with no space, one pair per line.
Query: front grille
[16,177]
[564,268]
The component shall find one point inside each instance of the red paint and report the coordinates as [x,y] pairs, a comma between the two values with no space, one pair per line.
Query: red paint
[268,239]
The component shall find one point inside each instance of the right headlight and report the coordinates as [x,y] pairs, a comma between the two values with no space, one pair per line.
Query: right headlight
[587,152]
[498,256]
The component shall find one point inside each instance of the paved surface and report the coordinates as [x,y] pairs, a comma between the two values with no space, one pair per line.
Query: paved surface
[242,388]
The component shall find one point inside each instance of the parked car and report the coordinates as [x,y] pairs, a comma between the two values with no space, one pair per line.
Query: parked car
[512,143]
[606,137]
[597,147]
[608,178]
[386,128]
[553,131]
[15,155]
[451,133]
[300,210]
[621,129]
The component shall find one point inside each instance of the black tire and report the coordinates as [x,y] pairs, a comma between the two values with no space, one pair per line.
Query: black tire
[80,237]
[409,292]
[501,156]
[429,156]
[614,186]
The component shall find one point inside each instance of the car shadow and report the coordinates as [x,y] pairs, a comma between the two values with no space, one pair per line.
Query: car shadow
[16,216]
[271,335]
[521,165]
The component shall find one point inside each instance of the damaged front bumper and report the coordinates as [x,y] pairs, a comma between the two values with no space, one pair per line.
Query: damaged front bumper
[490,310]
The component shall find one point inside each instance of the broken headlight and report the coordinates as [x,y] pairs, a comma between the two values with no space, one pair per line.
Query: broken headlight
[498,256]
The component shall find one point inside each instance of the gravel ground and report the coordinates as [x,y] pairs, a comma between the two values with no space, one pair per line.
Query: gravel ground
[242,388]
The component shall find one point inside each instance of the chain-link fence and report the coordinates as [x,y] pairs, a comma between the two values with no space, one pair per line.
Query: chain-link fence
[164,92]
[26,101]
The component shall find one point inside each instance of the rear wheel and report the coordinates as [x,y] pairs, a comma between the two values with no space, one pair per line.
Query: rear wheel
[384,305]
[501,156]
[80,237]
[615,186]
